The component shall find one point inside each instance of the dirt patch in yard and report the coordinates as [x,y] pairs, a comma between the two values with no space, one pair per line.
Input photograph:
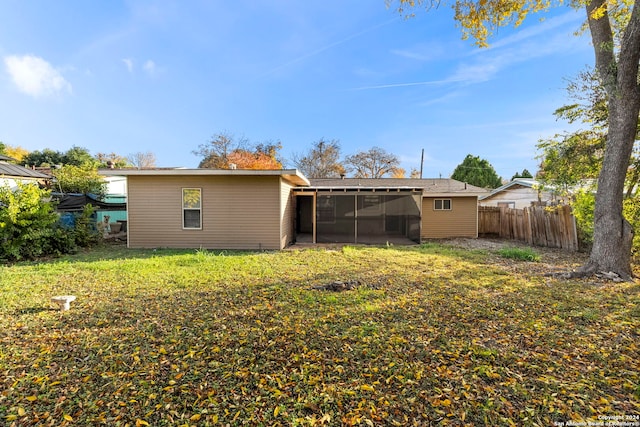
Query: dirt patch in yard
[552,260]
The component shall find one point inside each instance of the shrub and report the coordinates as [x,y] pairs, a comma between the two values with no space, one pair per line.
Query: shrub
[30,228]
[26,222]
[85,230]
[583,205]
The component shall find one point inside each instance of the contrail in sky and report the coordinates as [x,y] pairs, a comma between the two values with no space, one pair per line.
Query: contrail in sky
[332,45]
[392,85]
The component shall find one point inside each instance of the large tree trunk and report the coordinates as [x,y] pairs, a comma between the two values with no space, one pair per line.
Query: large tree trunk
[612,234]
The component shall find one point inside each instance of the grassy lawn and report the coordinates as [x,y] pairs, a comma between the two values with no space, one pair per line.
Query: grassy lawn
[431,336]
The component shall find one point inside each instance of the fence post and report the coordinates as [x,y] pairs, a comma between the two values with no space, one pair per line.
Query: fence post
[527,225]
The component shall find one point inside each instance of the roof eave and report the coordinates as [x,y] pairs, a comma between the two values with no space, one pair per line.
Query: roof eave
[292,175]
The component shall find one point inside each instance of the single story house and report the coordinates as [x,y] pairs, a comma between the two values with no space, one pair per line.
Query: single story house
[270,209]
[518,194]
[11,174]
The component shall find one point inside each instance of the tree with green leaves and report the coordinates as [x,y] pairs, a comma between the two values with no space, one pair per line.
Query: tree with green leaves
[77,156]
[373,163]
[524,174]
[476,171]
[79,179]
[321,161]
[615,33]
[43,158]
[108,160]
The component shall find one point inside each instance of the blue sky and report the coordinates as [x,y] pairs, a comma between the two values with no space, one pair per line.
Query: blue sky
[164,76]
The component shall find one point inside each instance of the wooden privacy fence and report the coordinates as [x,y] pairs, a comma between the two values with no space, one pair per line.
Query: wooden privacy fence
[553,227]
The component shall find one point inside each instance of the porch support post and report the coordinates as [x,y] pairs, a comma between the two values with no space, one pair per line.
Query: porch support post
[314,220]
[355,217]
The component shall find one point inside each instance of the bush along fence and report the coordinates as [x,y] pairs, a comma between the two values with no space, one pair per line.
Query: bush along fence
[553,227]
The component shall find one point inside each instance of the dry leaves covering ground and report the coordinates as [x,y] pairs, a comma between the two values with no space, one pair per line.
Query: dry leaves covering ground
[432,335]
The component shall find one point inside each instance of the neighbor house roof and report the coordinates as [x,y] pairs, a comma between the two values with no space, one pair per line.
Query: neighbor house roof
[292,175]
[518,182]
[11,170]
[428,185]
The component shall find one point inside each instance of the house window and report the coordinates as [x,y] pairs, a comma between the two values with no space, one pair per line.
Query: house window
[370,204]
[192,208]
[442,204]
[511,205]
[326,209]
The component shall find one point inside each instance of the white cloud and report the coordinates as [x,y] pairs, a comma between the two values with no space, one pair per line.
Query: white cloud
[422,52]
[129,64]
[549,38]
[410,54]
[566,24]
[35,76]
[150,67]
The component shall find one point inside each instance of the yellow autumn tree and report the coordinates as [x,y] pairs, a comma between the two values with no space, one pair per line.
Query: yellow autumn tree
[15,152]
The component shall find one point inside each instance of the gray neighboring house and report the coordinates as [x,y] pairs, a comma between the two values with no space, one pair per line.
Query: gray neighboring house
[518,194]
[11,174]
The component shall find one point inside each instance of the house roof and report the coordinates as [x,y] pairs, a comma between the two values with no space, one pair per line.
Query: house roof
[7,158]
[429,185]
[292,175]
[11,170]
[518,182]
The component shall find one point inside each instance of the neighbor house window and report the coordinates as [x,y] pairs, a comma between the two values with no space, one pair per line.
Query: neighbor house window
[442,204]
[192,208]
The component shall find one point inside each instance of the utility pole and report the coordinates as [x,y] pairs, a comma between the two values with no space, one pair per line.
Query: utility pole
[421,163]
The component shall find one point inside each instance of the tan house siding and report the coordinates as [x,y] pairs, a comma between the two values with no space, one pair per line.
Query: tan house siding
[460,221]
[287,213]
[237,212]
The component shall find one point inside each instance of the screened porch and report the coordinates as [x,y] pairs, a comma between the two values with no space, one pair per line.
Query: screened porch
[368,217]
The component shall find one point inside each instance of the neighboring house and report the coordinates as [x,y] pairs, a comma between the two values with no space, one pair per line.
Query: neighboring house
[116,193]
[519,193]
[11,174]
[270,209]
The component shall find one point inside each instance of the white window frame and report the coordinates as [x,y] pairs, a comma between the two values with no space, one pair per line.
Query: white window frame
[442,204]
[190,208]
